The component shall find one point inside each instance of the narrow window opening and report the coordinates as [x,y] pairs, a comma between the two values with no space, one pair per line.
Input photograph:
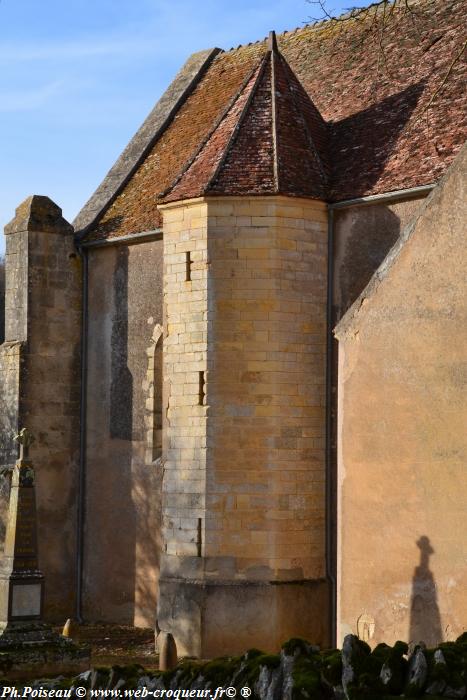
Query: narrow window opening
[200,537]
[202,389]
[188,263]
[157,402]
[153,384]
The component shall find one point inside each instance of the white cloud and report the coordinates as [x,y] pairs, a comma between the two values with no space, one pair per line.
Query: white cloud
[72,50]
[27,100]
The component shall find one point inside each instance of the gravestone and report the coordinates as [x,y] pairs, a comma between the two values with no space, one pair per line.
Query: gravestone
[29,648]
[21,582]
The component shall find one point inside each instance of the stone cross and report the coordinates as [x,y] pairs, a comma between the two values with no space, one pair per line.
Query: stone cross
[25,440]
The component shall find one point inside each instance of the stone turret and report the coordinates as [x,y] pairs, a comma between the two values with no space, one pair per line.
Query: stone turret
[245,253]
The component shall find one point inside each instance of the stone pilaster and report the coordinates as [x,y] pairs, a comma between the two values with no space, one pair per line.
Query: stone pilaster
[40,378]
[245,352]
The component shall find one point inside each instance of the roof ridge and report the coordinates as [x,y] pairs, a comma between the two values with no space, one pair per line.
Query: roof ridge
[312,24]
[275,135]
[233,136]
[269,101]
[304,122]
[214,128]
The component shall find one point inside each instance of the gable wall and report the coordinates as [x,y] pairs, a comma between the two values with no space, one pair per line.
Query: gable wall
[402,445]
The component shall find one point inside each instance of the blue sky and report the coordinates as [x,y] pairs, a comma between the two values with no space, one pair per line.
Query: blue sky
[77,78]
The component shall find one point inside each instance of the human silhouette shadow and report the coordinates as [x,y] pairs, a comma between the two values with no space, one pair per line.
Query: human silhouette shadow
[425,619]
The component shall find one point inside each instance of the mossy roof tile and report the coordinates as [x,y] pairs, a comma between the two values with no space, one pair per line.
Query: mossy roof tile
[392,96]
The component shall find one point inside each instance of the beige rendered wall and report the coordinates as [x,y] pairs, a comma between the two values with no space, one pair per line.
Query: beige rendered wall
[122,521]
[402,438]
[244,474]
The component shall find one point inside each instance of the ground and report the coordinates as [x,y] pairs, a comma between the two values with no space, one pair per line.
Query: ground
[118,645]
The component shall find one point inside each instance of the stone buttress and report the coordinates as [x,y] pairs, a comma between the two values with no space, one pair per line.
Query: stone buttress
[40,380]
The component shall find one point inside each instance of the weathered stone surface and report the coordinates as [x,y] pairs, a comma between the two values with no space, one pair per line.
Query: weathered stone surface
[418,670]
[40,378]
[300,671]
[33,650]
[212,617]
[21,581]
[10,366]
[38,213]
[354,655]
[167,651]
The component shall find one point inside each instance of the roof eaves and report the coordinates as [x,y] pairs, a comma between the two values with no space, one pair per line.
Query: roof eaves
[144,139]
[241,118]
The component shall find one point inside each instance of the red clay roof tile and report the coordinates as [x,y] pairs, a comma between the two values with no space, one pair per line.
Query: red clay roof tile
[396,115]
[264,144]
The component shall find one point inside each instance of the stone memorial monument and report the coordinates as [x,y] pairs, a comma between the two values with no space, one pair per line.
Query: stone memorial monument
[28,646]
[21,582]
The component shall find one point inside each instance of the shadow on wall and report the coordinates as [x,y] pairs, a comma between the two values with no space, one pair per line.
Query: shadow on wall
[364,236]
[425,619]
[121,388]
[133,499]
[4,506]
[2,299]
[123,527]
[8,452]
[111,519]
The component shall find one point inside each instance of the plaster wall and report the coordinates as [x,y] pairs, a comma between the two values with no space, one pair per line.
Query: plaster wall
[123,485]
[363,236]
[402,438]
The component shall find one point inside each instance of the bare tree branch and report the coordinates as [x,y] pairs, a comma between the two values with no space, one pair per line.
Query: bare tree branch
[378,15]
[440,87]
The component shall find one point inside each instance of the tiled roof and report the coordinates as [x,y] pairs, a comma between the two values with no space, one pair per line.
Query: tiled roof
[392,97]
[264,144]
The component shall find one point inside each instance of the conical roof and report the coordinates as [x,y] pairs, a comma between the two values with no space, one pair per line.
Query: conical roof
[270,140]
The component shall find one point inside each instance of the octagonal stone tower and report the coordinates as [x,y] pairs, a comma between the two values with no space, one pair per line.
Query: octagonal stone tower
[245,255]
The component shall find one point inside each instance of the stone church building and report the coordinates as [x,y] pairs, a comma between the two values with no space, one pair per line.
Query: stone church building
[245,362]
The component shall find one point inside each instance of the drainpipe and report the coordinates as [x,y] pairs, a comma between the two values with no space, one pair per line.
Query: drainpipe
[330,563]
[386,198]
[82,440]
